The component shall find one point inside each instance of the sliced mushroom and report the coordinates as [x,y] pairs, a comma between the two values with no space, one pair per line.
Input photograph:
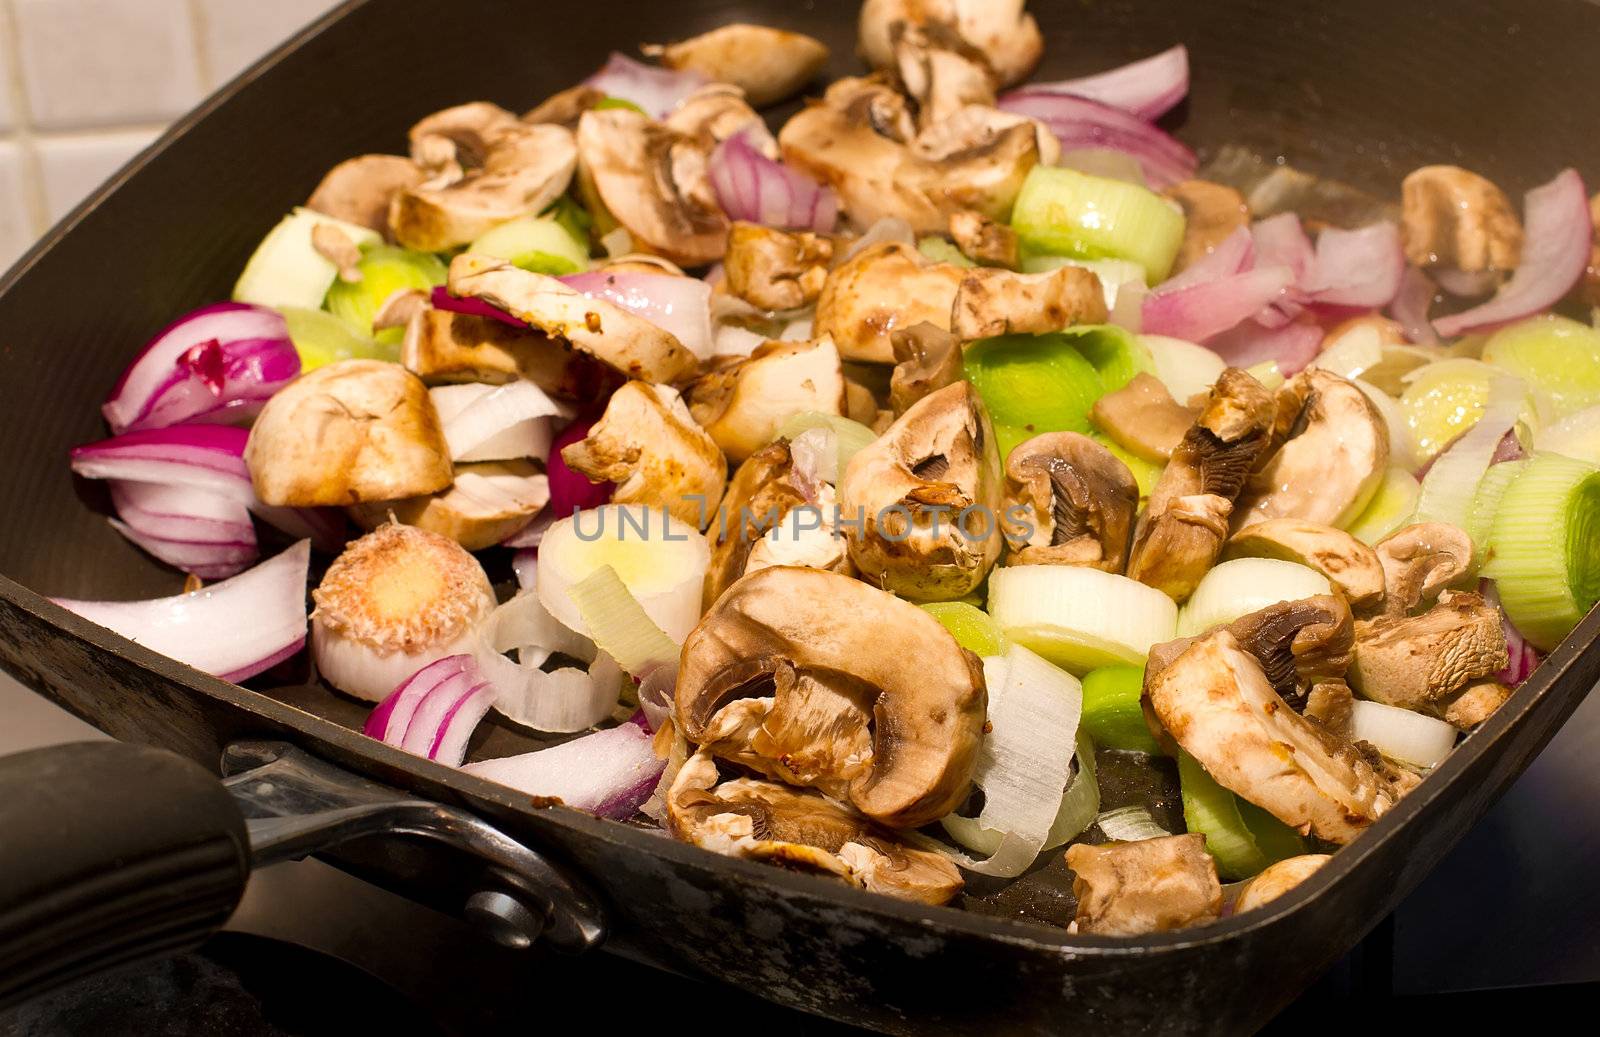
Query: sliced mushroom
[1474,704]
[566,107]
[774,269]
[768,64]
[802,831]
[881,289]
[860,405]
[1423,662]
[941,72]
[1006,35]
[350,432]
[991,302]
[1334,453]
[523,169]
[1277,879]
[628,343]
[1331,704]
[1419,561]
[649,445]
[1216,701]
[1351,566]
[1212,212]
[859,141]
[819,680]
[360,189]
[1143,418]
[1299,644]
[1454,218]
[920,503]
[444,348]
[743,404]
[985,241]
[807,536]
[716,112]
[927,358]
[1183,528]
[761,493]
[1068,501]
[1148,886]
[460,136]
[655,182]
[487,503]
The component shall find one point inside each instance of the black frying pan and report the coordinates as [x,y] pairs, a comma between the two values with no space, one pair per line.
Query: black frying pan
[1362,90]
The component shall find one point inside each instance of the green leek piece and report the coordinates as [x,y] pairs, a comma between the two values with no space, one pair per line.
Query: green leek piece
[1062,212]
[940,250]
[287,270]
[1558,357]
[1544,547]
[618,624]
[1243,838]
[573,217]
[1145,473]
[384,271]
[1390,507]
[321,338]
[1112,715]
[971,627]
[607,103]
[539,244]
[1486,501]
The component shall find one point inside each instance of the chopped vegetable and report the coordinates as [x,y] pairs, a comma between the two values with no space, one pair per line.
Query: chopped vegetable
[322,339]
[1242,837]
[288,270]
[1147,88]
[1080,618]
[1486,501]
[970,626]
[385,272]
[541,244]
[1079,122]
[434,711]
[1112,715]
[849,437]
[1130,825]
[1559,358]
[1545,544]
[941,250]
[1444,399]
[495,422]
[1062,212]
[609,773]
[1244,585]
[1393,503]
[754,188]
[1401,734]
[619,625]
[1452,482]
[1576,435]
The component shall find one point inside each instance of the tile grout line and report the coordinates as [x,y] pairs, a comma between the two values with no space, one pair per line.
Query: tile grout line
[202,55]
[22,116]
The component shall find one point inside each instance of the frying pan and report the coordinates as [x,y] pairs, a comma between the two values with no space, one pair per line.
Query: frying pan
[1363,90]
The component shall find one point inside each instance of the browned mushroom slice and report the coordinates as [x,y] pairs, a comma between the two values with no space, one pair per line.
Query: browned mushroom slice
[1454,218]
[985,241]
[1334,452]
[927,358]
[762,492]
[716,112]
[360,189]
[774,269]
[802,831]
[649,445]
[1143,418]
[488,502]
[743,404]
[941,71]
[626,342]
[1351,566]
[1211,213]
[768,64]
[444,348]
[920,502]
[991,302]
[1419,561]
[1473,704]
[883,288]
[655,182]
[860,405]
[566,107]
[801,674]
[1148,886]
[1299,643]
[1277,879]
[1005,34]
[1068,501]
[1182,530]
[1331,704]
[1423,662]
[1216,701]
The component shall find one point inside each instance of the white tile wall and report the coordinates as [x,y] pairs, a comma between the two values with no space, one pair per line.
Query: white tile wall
[86,84]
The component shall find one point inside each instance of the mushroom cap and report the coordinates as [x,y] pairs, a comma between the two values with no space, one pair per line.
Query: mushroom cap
[1334,453]
[649,445]
[1073,498]
[1277,879]
[927,358]
[654,181]
[628,343]
[991,302]
[1421,662]
[1351,566]
[1216,701]
[824,658]
[1299,643]
[1419,561]
[1452,217]
[941,71]
[359,190]
[348,433]
[921,502]
[774,269]
[768,64]
[882,289]
[488,502]
[445,348]
[1146,886]
[524,169]
[1143,418]
[1211,212]
[1001,30]
[743,405]
[460,135]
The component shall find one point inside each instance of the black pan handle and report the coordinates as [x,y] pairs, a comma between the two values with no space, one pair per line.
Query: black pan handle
[109,853]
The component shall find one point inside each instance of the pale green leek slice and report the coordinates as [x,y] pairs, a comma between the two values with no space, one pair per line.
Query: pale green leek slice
[1066,213]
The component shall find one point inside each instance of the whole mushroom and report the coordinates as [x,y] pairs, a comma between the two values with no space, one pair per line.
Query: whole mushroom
[1454,218]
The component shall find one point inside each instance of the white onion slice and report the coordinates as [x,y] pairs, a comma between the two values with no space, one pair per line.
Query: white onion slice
[234,629]
[1400,734]
[1080,618]
[496,422]
[680,306]
[561,701]
[1245,585]
[1452,480]
[1187,370]
[1130,825]
[609,773]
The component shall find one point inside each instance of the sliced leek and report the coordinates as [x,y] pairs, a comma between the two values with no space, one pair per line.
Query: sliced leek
[1491,488]
[1112,713]
[941,250]
[1129,825]
[1558,357]
[1444,399]
[1401,735]
[1391,506]
[1244,585]
[1079,618]
[970,626]
[1145,473]
[619,625]
[321,339]
[1243,838]
[540,244]
[1451,484]
[1576,435]
[1063,212]
[385,272]
[1545,547]
[287,270]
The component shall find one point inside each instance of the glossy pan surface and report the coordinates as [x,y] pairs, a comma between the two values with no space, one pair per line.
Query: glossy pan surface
[1363,90]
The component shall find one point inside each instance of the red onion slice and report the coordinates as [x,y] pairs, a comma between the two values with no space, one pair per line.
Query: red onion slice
[190,529]
[389,720]
[1147,88]
[234,629]
[1555,254]
[657,90]
[1198,312]
[679,305]
[441,299]
[754,188]
[1291,346]
[570,491]
[1411,304]
[1522,657]
[1235,254]
[609,773]
[1281,241]
[1081,123]
[1361,268]
[434,711]
[202,366]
